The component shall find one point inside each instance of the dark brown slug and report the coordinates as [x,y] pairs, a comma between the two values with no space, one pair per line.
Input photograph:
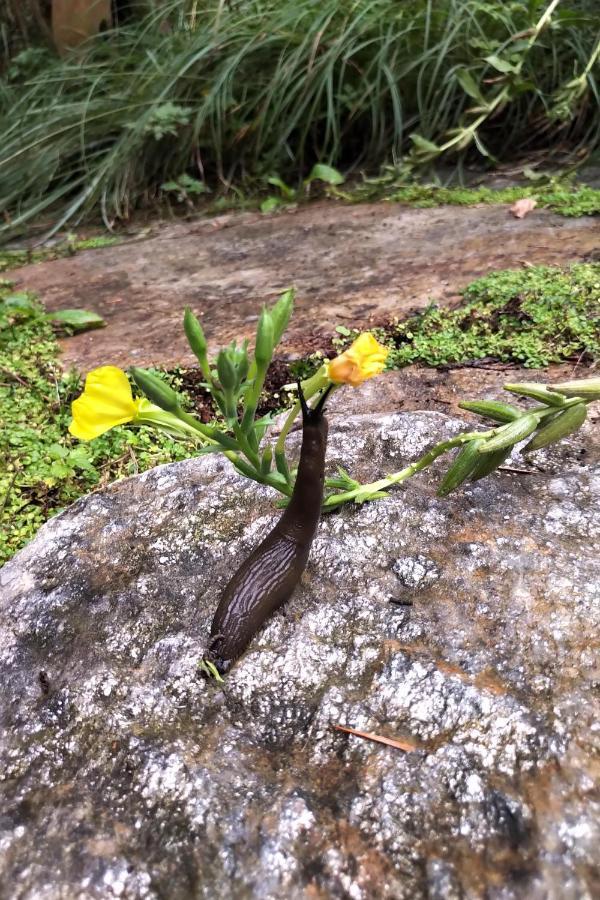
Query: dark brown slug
[268,577]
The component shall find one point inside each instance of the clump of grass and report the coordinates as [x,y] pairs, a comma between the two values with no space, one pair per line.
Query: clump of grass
[532,316]
[244,90]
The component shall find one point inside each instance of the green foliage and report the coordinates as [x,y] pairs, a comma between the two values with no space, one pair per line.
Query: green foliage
[43,469]
[532,316]
[561,195]
[12,259]
[250,88]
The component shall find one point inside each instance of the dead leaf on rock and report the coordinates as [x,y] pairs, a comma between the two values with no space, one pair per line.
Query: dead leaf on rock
[408,746]
[522,208]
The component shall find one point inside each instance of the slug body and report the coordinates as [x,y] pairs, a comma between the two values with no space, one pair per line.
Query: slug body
[269,575]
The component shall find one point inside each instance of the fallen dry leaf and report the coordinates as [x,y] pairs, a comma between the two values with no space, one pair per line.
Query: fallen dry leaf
[522,208]
[391,742]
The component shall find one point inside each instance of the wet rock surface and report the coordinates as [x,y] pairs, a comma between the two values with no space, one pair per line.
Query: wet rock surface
[351,264]
[124,775]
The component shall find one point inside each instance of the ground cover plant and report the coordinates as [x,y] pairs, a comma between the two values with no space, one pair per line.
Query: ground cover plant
[517,316]
[236,93]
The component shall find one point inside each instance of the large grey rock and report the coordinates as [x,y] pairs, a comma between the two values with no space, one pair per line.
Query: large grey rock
[124,775]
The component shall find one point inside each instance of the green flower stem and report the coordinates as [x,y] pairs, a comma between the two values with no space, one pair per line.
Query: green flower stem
[542,412]
[272,479]
[244,444]
[213,435]
[253,397]
[398,477]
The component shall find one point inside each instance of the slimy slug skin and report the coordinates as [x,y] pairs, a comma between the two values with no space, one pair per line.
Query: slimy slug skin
[268,577]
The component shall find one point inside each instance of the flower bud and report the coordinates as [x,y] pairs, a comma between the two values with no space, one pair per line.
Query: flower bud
[461,468]
[264,339]
[536,392]
[561,425]
[226,372]
[281,313]
[588,388]
[510,434]
[488,462]
[492,409]
[156,390]
[195,334]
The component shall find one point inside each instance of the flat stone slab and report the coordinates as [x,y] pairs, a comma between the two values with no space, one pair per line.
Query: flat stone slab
[350,264]
[124,775]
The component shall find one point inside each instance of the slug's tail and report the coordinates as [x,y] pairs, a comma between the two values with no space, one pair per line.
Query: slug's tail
[314,414]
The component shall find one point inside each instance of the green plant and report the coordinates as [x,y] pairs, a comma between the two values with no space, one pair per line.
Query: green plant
[260,87]
[236,381]
[561,195]
[319,172]
[533,316]
[42,469]
[12,259]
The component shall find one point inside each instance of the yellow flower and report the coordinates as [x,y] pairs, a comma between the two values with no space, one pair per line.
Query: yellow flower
[106,401]
[364,359]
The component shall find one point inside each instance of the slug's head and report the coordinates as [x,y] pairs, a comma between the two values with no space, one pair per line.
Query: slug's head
[314,415]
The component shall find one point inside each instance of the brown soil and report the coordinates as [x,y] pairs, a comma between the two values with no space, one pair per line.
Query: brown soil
[352,265]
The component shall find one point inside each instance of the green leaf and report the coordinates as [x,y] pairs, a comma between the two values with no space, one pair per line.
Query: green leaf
[60,470]
[341,329]
[468,84]
[270,204]
[501,65]
[288,192]
[77,319]
[423,144]
[20,302]
[321,172]
[57,451]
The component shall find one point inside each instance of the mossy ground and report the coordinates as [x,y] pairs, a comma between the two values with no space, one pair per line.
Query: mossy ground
[531,316]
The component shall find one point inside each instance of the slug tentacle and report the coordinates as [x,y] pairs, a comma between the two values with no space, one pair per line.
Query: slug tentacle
[267,578]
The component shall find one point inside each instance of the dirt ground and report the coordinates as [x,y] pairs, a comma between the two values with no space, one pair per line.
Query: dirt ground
[351,265]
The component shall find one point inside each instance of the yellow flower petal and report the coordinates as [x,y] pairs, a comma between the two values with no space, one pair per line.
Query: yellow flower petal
[106,401]
[364,359]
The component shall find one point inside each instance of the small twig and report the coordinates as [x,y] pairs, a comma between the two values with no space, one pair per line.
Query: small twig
[133,457]
[408,746]
[15,377]
[521,471]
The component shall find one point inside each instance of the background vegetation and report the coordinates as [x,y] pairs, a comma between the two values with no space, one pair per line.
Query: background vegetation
[234,93]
